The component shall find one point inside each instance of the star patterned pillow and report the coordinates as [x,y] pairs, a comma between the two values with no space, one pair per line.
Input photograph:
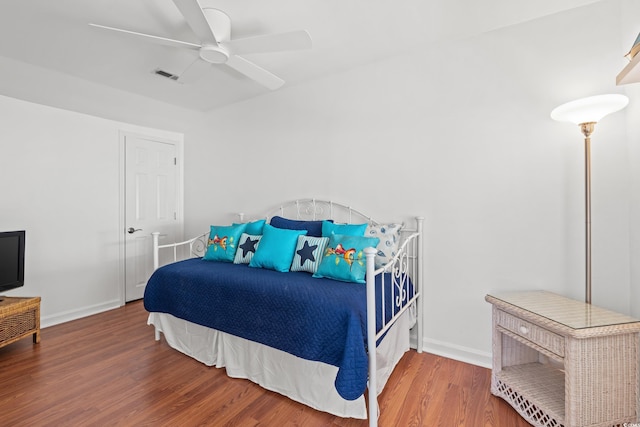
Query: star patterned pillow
[308,253]
[246,248]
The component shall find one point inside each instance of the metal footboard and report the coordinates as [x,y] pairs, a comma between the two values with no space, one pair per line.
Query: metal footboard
[405,268]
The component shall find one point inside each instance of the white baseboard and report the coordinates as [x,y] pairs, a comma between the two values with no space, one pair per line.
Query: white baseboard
[455,352]
[67,316]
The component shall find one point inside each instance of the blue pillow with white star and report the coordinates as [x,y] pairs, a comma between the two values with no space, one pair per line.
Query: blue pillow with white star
[247,246]
[308,253]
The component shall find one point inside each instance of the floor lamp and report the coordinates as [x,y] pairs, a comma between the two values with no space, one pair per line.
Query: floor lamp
[586,112]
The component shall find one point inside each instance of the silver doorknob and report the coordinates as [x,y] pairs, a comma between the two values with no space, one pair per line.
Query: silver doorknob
[132,230]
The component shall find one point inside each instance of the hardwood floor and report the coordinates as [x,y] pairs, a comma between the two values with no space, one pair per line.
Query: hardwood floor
[107,370]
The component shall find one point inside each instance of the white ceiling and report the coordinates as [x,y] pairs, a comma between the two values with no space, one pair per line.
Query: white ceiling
[348,33]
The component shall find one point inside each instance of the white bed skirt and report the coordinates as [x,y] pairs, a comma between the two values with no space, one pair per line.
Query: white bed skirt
[305,381]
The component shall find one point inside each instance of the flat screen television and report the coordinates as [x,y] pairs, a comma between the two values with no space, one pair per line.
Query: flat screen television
[11,260]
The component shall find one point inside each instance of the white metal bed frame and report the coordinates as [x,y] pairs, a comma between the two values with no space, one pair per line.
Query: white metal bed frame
[407,263]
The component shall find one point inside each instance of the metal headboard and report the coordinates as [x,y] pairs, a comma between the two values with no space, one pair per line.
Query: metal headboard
[313,209]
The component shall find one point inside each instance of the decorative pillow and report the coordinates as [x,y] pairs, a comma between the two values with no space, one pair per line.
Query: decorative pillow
[254,227]
[308,253]
[276,248]
[389,235]
[223,242]
[329,228]
[314,228]
[344,258]
[246,248]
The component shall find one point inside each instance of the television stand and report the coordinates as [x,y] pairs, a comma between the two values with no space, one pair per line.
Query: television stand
[19,318]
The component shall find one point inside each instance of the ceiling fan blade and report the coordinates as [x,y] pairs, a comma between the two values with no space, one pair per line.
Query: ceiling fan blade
[149,38]
[255,72]
[194,71]
[294,40]
[194,15]
[219,22]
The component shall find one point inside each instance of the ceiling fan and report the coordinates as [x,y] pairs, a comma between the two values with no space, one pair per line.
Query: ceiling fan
[213,28]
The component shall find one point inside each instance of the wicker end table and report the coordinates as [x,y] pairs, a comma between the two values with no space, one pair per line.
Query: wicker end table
[561,362]
[19,318]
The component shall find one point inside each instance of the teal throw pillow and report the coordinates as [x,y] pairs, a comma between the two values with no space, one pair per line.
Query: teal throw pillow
[254,227]
[223,242]
[344,258]
[246,248]
[329,228]
[308,253]
[276,248]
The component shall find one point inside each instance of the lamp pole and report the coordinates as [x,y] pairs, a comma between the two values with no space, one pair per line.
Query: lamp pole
[587,130]
[586,112]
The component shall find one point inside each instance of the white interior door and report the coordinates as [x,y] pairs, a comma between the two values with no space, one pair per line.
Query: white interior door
[151,179]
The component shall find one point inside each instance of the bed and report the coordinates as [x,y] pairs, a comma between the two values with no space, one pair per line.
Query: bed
[268,324]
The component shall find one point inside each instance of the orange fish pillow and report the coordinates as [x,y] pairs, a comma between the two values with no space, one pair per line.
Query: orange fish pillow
[344,258]
[223,242]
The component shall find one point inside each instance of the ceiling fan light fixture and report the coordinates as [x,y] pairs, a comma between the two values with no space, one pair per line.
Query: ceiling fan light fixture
[214,54]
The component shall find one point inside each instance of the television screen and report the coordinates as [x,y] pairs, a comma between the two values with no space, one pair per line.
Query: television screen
[11,259]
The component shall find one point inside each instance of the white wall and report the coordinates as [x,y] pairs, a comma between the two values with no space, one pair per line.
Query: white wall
[458,132]
[60,181]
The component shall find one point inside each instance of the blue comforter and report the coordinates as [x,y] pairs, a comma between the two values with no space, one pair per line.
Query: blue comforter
[312,318]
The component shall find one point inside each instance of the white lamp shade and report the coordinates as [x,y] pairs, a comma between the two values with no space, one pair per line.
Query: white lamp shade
[591,109]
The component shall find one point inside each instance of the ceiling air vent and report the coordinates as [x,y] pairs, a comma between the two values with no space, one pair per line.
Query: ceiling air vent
[165,74]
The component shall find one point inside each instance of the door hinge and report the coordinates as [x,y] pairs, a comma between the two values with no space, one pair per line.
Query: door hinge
[175,161]
[175,215]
